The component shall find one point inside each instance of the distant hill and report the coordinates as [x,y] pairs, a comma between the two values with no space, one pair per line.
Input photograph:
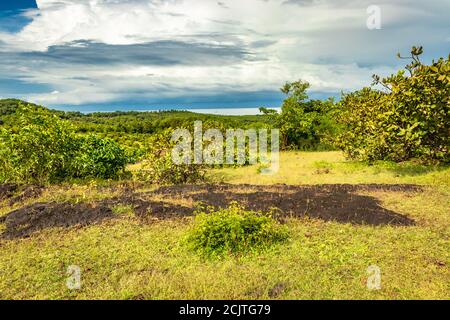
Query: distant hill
[134,121]
[9,106]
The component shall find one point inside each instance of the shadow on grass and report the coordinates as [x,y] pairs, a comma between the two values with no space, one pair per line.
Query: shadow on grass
[416,170]
[400,169]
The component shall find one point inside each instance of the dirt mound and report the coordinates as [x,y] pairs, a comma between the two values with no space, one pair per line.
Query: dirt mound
[18,193]
[27,192]
[25,221]
[148,209]
[338,203]
[7,190]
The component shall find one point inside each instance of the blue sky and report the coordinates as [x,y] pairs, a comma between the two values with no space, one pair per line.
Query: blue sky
[17,5]
[203,53]
[11,14]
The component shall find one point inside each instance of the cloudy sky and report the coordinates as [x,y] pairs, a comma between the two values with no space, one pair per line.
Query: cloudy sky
[204,53]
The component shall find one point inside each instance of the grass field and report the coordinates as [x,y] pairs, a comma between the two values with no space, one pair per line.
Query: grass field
[127,258]
[332,168]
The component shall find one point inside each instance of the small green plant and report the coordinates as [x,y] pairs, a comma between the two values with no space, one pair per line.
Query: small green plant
[234,231]
[322,164]
[323,167]
[262,167]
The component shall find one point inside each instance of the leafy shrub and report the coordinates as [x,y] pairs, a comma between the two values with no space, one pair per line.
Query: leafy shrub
[46,149]
[410,119]
[234,230]
[41,150]
[99,158]
[158,166]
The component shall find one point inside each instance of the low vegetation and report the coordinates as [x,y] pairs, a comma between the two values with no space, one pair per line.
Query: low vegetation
[333,167]
[234,230]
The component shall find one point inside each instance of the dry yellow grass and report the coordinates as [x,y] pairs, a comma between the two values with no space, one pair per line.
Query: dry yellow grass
[333,168]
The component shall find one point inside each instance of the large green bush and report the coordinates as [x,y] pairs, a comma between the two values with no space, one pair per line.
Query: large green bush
[46,149]
[233,231]
[99,157]
[409,119]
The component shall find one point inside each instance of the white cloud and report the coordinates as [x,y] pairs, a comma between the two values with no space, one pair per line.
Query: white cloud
[325,42]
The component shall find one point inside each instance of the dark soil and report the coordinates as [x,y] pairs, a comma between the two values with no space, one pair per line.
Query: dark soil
[18,193]
[277,290]
[23,222]
[7,190]
[339,203]
[27,192]
[149,210]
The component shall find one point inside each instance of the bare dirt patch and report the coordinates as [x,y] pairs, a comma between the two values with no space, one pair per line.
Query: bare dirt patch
[16,193]
[339,203]
[7,190]
[23,222]
[147,210]
[27,192]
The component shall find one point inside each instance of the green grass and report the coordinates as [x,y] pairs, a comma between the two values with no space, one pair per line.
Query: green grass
[126,259]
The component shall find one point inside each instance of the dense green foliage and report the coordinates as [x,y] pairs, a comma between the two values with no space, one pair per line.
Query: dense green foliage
[144,135]
[132,129]
[99,158]
[133,122]
[234,230]
[410,119]
[47,149]
[304,124]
